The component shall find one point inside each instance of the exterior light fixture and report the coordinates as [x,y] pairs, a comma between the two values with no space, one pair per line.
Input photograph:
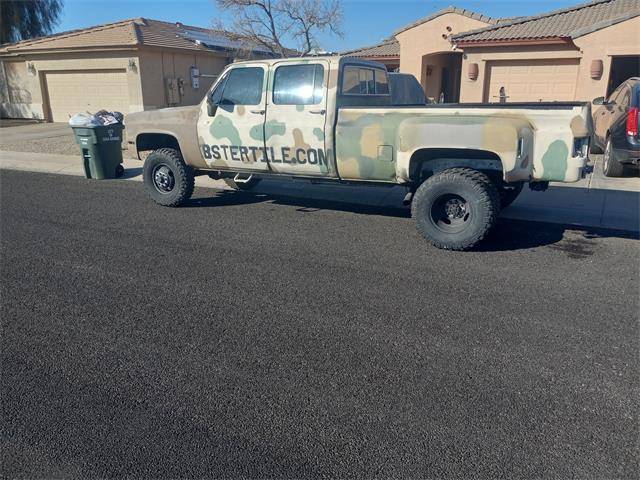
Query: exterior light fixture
[31,67]
[473,70]
[132,65]
[597,67]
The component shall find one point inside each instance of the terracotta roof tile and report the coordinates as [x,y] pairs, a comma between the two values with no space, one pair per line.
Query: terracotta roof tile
[388,48]
[566,23]
[126,33]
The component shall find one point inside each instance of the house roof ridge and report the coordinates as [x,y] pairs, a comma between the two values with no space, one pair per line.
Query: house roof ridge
[450,9]
[531,18]
[68,33]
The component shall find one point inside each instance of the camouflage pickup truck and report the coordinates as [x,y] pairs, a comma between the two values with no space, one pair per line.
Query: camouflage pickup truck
[332,119]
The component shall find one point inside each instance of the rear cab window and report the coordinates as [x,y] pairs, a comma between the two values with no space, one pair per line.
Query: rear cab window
[360,80]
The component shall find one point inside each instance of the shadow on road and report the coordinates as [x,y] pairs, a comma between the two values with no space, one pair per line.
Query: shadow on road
[508,234]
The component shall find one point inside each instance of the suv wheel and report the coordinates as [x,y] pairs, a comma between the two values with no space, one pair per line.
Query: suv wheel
[610,166]
[456,208]
[168,179]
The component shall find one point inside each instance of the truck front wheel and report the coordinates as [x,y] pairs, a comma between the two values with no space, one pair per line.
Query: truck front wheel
[168,179]
[455,209]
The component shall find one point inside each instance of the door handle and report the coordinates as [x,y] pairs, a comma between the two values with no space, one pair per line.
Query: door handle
[318,112]
[258,112]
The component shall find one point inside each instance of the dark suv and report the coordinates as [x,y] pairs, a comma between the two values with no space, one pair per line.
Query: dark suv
[616,127]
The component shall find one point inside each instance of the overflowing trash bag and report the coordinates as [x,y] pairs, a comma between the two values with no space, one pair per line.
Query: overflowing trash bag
[101,117]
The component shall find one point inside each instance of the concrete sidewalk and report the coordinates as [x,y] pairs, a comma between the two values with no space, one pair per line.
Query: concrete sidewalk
[588,203]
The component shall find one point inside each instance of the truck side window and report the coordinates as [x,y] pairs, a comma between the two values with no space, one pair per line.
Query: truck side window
[364,81]
[298,84]
[243,86]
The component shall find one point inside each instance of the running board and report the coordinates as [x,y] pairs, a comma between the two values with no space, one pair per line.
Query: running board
[242,178]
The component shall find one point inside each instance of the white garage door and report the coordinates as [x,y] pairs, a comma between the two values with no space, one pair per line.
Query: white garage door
[87,91]
[532,80]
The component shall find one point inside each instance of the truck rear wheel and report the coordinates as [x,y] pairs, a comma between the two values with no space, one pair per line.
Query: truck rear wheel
[168,179]
[455,209]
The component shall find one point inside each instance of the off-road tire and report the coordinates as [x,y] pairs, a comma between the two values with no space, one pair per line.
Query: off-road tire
[482,206]
[610,166]
[244,186]
[508,193]
[181,175]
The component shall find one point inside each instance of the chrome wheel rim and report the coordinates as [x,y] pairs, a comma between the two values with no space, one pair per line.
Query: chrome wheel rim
[163,179]
[451,213]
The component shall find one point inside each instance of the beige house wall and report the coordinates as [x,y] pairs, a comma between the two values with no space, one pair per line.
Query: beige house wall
[429,38]
[156,66]
[23,90]
[33,70]
[617,40]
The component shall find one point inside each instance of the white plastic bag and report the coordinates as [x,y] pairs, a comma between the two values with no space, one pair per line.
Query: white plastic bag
[83,120]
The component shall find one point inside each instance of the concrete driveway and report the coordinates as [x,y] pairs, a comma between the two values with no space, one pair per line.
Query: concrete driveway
[15,131]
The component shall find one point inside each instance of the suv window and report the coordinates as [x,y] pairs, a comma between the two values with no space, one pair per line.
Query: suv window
[298,84]
[241,86]
[364,81]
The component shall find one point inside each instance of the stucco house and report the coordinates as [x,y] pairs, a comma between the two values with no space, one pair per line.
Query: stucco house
[575,53]
[131,65]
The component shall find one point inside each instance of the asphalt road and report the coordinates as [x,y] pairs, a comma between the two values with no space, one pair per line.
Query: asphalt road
[264,336]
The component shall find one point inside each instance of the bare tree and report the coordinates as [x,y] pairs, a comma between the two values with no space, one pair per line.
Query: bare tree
[270,23]
[23,19]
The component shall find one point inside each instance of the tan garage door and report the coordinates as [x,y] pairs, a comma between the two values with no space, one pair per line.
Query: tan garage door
[73,92]
[532,80]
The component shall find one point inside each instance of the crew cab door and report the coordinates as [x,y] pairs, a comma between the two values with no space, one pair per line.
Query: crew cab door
[231,123]
[296,118]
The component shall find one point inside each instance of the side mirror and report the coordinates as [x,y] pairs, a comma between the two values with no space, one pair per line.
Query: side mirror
[212,108]
[599,101]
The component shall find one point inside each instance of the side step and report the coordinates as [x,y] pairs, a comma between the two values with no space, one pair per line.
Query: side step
[242,178]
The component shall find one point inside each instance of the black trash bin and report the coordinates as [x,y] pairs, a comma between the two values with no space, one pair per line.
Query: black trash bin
[101,148]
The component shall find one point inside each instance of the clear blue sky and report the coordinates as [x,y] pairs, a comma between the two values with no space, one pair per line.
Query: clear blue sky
[366,22]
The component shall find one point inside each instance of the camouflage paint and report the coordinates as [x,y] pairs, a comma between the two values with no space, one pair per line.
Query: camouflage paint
[546,135]
[554,161]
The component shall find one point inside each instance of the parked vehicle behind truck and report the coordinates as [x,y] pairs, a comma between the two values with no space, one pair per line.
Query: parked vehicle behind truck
[616,125]
[332,119]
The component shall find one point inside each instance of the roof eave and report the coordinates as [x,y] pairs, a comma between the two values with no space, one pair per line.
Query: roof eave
[375,58]
[42,51]
[513,42]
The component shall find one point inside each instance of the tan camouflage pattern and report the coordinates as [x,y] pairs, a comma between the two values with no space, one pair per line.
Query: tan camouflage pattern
[547,137]
[374,144]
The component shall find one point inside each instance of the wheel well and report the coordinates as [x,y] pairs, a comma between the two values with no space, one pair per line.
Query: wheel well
[153,141]
[426,161]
